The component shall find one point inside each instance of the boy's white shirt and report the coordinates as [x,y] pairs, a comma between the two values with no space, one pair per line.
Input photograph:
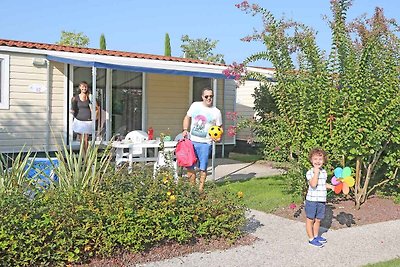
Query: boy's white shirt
[317,194]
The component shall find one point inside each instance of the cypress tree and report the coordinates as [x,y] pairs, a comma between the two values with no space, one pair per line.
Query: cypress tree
[167,48]
[103,42]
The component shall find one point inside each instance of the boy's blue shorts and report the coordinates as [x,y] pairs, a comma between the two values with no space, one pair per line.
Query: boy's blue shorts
[202,151]
[315,210]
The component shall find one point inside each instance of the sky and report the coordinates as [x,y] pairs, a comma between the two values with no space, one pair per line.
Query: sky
[140,26]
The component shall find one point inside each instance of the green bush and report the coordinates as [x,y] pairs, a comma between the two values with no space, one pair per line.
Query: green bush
[345,102]
[13,171]
[126,213]
[296,181]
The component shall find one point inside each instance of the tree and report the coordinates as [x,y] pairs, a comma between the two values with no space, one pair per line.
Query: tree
[346,103]
[103,44]
[200,49]
[167,46]
[73,39]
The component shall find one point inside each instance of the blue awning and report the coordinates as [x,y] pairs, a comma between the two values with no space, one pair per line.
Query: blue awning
[84,63]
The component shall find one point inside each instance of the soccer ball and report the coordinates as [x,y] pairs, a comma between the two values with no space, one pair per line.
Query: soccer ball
[215,132]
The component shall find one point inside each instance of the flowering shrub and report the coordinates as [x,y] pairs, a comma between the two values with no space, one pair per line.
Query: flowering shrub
[235,71]
[127,213]
[346,102]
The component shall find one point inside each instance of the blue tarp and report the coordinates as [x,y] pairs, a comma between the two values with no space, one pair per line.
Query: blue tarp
[42,170]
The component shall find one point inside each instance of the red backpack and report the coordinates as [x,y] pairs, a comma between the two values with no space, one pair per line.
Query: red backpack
[185,156]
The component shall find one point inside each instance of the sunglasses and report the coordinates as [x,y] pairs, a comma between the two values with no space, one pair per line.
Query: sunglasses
[208,96]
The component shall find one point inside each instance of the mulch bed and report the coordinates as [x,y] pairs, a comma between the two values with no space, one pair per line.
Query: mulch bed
[342,213]
[171,250]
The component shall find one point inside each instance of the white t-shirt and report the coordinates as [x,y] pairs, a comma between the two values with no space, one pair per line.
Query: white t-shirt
[317,194]
[203,118]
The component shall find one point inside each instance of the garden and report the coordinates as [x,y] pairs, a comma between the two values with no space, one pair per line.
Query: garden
[345,102]
[92,211]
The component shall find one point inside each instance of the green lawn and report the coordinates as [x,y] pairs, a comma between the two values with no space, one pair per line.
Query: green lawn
[263,194]
[391,263]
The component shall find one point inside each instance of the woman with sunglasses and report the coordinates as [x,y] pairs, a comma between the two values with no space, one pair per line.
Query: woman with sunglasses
[200,117]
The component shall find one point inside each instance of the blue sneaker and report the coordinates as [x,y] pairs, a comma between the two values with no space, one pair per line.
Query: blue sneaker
[315,243]
[320,239]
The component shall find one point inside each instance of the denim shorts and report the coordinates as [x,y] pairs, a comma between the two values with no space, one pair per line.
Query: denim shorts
[202,151]
[315,210]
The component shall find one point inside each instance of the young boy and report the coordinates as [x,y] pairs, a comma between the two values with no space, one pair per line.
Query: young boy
[316,196]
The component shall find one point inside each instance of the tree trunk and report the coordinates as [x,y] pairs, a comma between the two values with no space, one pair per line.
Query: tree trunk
[357,185]
[362,192]
[367,179]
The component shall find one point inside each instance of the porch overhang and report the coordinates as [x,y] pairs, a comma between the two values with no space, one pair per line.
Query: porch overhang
[214,72]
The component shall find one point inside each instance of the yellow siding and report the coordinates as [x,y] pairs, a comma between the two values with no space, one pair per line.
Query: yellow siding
[24,125]
[229,87]
[57,110]
[167,103]
[245,106]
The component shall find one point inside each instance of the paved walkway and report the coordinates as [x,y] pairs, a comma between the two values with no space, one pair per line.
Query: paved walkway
[283,242]
[228,169]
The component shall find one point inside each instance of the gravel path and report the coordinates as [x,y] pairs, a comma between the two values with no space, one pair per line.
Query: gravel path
[283,242]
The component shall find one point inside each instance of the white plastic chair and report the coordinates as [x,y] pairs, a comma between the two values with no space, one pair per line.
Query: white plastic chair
[170,160]
[178,137]
[133,137]
[166,158]
[136,136]
[178,169]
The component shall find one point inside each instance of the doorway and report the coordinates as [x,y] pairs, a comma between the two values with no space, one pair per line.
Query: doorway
[118,100]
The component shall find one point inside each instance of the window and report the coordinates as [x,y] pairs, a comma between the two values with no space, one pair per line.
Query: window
[4,81]
[127,101]
[85,74]
[198,85]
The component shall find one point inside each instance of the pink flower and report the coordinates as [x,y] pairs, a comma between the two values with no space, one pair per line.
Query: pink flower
[231,115]
[247,39]
[231,131]
[235,71]
[226,72]
[255,7]
[243,5]
[292,206]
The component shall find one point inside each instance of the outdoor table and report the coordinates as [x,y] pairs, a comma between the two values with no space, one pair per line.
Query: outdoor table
[120,146]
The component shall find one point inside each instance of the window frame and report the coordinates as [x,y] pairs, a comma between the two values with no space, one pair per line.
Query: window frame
[4,81]
[196,96]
